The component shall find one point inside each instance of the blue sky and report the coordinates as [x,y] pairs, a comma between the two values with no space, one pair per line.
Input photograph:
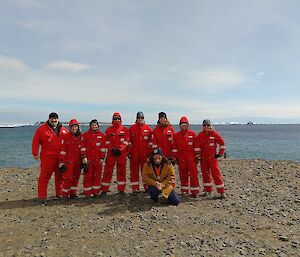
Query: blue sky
[223,60]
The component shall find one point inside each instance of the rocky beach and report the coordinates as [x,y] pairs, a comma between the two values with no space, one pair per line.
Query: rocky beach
[259,217]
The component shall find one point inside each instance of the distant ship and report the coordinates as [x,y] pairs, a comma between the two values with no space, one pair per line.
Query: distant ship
[250,123]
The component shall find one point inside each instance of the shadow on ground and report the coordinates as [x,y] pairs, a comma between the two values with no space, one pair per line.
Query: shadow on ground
[114,203]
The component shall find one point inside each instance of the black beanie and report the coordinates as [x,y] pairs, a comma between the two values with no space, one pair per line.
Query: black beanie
[94,121]
[157,151]
[162,114]
[139,115]
[53,115]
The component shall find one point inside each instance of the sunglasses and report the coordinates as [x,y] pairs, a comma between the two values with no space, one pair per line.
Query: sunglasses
[140,118]
[206,125]
[116,119]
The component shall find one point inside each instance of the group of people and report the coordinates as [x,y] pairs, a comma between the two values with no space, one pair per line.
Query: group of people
[152,154]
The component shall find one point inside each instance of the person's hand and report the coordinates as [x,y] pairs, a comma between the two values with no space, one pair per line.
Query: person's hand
[159,186]
[116,152]
[173,161]
[217,156]
[84,167]
[197,159]
[36,157]
[62,167]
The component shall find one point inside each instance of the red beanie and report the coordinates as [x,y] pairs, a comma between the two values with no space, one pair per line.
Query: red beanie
[184,120]
[117,114]
[73,122]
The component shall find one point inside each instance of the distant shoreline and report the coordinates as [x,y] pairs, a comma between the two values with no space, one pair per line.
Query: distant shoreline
[108,123]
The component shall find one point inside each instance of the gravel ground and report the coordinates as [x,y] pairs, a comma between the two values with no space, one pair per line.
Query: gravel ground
[259,217]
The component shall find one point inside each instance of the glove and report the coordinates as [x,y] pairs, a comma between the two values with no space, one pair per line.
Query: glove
[63,168]
[173,161]
[197,159]
[116,152]
[84,167]
[217,156]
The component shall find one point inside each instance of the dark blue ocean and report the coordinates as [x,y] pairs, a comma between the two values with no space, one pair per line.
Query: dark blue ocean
[269,142]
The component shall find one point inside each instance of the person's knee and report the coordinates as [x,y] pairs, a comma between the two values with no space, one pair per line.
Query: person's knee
[173,198]
[153,192]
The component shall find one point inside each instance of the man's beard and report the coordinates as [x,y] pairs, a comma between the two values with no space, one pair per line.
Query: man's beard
[157,161]
[54,124]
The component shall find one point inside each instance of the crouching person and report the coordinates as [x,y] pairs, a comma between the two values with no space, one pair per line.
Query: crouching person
[158,173]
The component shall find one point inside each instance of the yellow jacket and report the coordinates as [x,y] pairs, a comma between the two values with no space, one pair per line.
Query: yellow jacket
[167,177]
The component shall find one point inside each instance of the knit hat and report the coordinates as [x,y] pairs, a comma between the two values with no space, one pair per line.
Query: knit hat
[157,151]
[53,115]
[184,120]
[162,114]
[206,123]
[116,115]
[73,122]
[140,115]
[94,121]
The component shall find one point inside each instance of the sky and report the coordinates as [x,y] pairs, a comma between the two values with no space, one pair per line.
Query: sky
[229,61]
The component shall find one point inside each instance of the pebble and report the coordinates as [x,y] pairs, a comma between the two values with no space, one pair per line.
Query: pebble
[283,238]
[183,244]
[153,216]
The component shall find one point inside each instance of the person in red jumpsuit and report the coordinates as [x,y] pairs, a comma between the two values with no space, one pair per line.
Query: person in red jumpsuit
[70,160]
[184,152]
[163,135]
[47,138]
[209,140]
[93,150]
[140,147]
[117,139]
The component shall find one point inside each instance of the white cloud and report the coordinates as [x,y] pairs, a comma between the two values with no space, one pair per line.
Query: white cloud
[105,95]
[67,66]
[216,79]
[257,109]
[82,89]
[10,63]
[261,73]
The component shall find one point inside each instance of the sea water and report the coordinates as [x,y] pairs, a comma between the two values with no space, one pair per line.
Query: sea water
[269,142]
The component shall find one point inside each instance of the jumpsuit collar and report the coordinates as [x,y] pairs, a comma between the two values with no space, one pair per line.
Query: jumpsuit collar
[57,129]
[140,124]
[117,124]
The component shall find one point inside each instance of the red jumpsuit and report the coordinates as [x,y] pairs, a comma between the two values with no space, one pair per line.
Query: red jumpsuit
[163,139]
[46,138]
[70,156]
[140,147]
[93,148]
[117,137]
[208,142]
[184,153]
